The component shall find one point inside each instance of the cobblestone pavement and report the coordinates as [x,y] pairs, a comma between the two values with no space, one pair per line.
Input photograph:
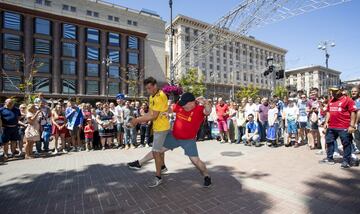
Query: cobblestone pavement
[245,180]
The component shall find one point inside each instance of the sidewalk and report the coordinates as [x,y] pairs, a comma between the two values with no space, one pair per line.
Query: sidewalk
[245,180]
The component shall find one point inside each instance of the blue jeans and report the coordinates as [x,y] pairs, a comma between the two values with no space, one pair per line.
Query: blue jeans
[144,134]
[346,140]
[263,126]
[129,136]
[241,132]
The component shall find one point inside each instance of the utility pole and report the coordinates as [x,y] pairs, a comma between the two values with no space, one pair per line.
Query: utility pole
[172,75]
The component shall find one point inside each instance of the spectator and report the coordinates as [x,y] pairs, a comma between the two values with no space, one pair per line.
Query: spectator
[106,121]
[222,114]
[22,126]
[144,127]
[263,118]
[130,132]
[240,123]
[45,122]
[120,120]
[89,135]
[340,122]
[273,124]
[75,122]
[355,95]
[302,119]
[251,136]
[211,119]
[59,128]
[10,116]
[251,108]
[291,114]
[32,131]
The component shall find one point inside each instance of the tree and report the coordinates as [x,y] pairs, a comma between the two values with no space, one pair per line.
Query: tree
[193,82]
[247,91]
[26,86]
[280,91]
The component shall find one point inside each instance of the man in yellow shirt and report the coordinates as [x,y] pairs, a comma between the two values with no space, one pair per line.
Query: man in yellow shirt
[158,108]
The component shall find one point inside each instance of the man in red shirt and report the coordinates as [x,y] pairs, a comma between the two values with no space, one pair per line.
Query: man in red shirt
[222,112]
[190,114]
[340,122]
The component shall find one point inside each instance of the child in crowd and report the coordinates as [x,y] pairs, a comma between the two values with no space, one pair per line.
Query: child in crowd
[273,124]
[89,134]
[291,114]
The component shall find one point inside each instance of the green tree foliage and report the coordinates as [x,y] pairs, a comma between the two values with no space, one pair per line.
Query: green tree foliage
[248,91]
[193,82]
[280,91]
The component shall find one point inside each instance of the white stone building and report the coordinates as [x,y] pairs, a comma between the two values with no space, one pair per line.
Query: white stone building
[234,64]
[314,76]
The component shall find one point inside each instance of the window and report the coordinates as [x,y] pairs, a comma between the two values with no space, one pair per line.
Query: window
[92,53]
[12,62]
[11,83]
[12,42]
[114,55]
[12,21]
[114,88]
[133,58]
[68,86]
[69,31]
[42,26]
[47,3]
[38,1]
[68,67]
[133,42]
[114,71]
[92,70]
[89,12]
[42,46]
[187,38]
[129,22]
[187,30]
[92,35]
[110,18]
[42,65]
[116,19]
[65,7]
[114,39]
[135,23]
[73,9]
[41,84]
[69,49]
[96,14]
[92,87]
[245,77]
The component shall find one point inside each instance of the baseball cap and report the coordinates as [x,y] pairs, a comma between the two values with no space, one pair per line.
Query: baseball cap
[120,96]
[335,87]
[185,98]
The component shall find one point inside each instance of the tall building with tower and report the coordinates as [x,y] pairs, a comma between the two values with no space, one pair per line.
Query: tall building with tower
[226,67]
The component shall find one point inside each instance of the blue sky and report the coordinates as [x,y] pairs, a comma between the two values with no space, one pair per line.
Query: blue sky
[300,35]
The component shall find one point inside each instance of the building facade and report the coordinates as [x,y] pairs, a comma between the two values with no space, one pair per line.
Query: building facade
[84,48]
[349,84]
[305,78]
[226,67]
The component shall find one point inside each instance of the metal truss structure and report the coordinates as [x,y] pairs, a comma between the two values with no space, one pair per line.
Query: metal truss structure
[247,15]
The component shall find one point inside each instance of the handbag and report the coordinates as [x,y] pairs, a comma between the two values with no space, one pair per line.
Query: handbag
[31,133]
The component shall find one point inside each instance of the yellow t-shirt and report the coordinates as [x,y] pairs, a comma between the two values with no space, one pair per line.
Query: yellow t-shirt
[159,102]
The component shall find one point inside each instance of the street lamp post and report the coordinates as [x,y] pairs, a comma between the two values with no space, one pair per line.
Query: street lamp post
[107,61]
[172,75]
[324,46]
[270,64]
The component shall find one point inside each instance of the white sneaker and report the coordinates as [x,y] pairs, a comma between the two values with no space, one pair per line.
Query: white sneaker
[64,151]
[156,182]
[320,152]
[87,150]
[55,152]
[337,155]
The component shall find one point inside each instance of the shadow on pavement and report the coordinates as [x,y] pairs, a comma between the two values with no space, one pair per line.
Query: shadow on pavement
[335,194]
[116,189]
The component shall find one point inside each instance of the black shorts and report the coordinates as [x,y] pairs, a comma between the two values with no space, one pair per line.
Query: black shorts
[10,134]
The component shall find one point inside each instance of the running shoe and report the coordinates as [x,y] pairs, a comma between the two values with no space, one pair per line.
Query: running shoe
[134,165]
[156,182]
[207,181]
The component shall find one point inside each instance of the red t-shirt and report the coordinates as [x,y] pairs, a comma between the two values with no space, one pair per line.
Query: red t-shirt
[89,135]
[187,123]
[221,110]
[340,112]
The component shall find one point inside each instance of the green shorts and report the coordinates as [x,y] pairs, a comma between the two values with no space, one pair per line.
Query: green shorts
[189,146]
